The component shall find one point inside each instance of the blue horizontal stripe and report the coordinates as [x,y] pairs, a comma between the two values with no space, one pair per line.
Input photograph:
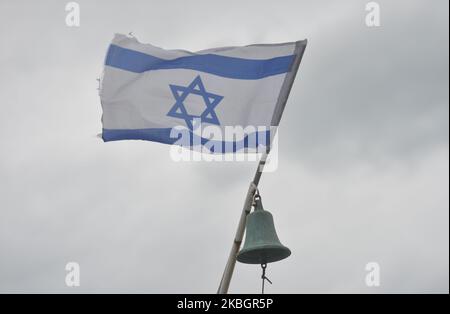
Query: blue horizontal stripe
[162,135]
[230,67]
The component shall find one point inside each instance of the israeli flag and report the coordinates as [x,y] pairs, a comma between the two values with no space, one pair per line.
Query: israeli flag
[149,93]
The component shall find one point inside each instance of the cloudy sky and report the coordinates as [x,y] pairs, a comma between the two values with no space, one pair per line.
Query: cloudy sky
[363,159]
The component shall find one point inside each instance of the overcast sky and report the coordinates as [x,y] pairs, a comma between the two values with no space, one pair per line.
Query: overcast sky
[364,158]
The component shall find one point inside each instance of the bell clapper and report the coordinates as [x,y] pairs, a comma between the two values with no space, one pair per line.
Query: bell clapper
[263,276]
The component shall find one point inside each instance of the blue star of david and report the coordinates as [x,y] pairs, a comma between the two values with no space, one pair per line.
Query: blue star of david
[197,88]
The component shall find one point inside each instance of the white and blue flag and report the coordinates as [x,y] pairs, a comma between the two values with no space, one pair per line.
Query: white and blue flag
[146,92]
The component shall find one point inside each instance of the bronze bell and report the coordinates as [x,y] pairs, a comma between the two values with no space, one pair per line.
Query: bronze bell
[261,241]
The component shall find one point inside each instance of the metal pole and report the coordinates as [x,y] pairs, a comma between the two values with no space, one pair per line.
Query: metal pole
[229,268]
[281,103]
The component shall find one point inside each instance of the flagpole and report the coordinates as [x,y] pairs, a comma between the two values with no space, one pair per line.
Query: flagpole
[281,103]
[229,268]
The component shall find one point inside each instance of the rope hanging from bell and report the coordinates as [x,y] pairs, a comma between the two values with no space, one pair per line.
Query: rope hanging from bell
[264,277]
